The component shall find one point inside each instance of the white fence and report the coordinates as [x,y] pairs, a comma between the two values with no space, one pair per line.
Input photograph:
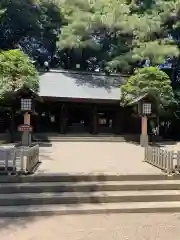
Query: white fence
[19,160]
[168,161]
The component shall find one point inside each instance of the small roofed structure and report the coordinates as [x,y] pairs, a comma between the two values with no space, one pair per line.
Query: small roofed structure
[145,98]
[146,106]
[26,92]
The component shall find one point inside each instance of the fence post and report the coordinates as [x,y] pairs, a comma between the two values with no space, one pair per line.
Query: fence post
[153,156]
[6,160]
[168,161]
[21,156]
[172,161]
[32,158]
[157,155]
[178,161]
[165,160]
[13,154]
[161,151]
[145,153]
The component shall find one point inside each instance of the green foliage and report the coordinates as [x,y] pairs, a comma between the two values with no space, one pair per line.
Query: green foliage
[149,80]
[16,71]
[121,32]
[114,35]
[20,19]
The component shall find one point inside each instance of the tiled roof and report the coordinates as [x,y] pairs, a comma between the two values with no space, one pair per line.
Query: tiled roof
[65,84]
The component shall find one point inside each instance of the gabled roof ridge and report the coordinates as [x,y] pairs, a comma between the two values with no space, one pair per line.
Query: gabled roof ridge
[86,73]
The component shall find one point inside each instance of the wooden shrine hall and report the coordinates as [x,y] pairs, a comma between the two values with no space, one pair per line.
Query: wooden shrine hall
[77,102]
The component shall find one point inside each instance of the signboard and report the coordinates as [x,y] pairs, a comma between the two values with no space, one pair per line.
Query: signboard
[25,128]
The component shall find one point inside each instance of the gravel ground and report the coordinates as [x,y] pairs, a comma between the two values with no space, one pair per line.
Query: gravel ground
[93,227]
[94,157]
[172,146]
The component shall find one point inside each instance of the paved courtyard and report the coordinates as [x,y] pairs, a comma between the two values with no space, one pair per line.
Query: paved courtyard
[93,227]
[94,157]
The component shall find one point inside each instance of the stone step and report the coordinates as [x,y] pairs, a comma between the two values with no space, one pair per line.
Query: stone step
[92,186]
[86,138]
[88,197]
[82,139]
[107,208]
[56,177]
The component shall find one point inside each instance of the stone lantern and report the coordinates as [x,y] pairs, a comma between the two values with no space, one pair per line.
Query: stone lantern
[26,99]
[26,128]
[146,106]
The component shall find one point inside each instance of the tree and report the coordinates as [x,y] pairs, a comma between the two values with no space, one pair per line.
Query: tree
[99,30]
[119,35]
[120,38]
[111,35]
[149,80]
[19,18]
[16,71]
[32,25]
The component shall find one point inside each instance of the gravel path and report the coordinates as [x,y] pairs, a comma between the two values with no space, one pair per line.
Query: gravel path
[93,227]
[94,157]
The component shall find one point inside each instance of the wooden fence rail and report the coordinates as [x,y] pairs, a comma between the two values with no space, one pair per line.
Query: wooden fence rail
[168,161]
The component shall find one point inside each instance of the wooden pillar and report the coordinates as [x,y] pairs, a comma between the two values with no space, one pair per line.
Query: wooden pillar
[144,131]
[63,119]
[94,120]
[59,123]
[26,136]
[118,121]
[27,118]
[144,125]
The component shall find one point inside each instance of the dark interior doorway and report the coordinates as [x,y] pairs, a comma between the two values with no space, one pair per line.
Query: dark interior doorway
[79,117]
[106,121]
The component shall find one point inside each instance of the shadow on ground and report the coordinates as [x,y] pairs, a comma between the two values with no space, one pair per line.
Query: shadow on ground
[8,222]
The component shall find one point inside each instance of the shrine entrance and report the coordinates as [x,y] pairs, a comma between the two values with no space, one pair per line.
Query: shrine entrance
[79,118]
[68,117]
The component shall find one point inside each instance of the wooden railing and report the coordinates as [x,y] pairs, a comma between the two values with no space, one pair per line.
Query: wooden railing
[168,161]
[19,160]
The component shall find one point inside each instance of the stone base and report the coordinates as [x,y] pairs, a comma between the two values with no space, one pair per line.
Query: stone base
[144,140]
[26,139]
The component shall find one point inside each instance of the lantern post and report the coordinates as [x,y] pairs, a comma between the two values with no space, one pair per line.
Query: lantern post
[146,110]
[26,128]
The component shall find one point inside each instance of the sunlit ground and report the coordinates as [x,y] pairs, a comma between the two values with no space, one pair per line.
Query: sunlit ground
[93,227]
